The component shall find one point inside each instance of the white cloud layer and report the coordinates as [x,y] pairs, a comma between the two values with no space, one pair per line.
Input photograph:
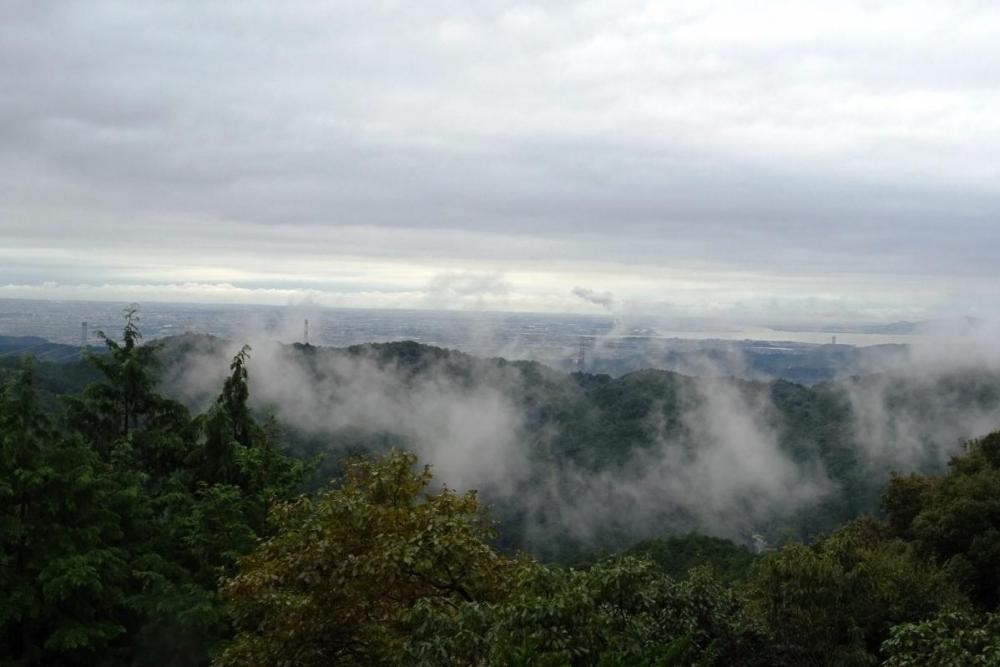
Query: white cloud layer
[811,156]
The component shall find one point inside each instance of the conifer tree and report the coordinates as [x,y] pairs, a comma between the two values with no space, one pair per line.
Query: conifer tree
[63,557]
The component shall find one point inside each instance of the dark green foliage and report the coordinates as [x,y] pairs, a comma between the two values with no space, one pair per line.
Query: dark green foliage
[123,406]
[228,427]
[835,602]
[948,640]
[621,611]
[955,519]
[597,422]
[209,512]
[115,529]
[63,558]
[126,397]
[676,555]
[52,380]
[121,514]
[903,499]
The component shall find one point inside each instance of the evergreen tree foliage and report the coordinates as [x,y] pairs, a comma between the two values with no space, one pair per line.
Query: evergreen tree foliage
[64,570]
[115,530]
[125,406]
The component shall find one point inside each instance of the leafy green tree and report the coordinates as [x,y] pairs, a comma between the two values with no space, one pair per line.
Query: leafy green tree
[948,640]
[132,533]
[677,554]
[207,514]
[903,499]
[173,503]
[64,575]
[834,603]
[955,520]
[336,581]
[194,537]
[621,611]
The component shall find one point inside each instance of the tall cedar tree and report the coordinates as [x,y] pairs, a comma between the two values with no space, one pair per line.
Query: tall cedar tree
[64,569]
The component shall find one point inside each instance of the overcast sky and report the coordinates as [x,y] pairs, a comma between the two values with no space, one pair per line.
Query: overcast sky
[769,160]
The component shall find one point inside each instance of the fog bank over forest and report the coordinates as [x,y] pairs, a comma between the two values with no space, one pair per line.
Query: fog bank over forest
[601,457]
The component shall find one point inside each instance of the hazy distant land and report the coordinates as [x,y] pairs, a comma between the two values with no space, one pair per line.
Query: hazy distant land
[598,344]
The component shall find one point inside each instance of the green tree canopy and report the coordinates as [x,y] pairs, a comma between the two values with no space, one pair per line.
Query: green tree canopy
[620,611]
[955,519]
[336,581]
[835,602]
[63,559]
[953,639]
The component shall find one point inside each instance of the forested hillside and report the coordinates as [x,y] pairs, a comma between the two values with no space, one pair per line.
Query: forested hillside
[193,504]
[577,463]
[572,463]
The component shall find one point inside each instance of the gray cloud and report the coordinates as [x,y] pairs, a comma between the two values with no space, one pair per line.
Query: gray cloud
[799,141]
[603,299]
[468,288]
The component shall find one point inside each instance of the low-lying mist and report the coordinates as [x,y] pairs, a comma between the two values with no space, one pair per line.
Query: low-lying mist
[606,461]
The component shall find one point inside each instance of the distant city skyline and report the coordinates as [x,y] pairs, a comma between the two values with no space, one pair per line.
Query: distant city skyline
[62,322]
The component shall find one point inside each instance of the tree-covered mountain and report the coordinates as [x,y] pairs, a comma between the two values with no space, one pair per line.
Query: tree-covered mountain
[576,462]
[547,449]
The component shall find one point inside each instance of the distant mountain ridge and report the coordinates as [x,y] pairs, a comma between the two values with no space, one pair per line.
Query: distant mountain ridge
[40,348]
[961,325]
[759,360]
